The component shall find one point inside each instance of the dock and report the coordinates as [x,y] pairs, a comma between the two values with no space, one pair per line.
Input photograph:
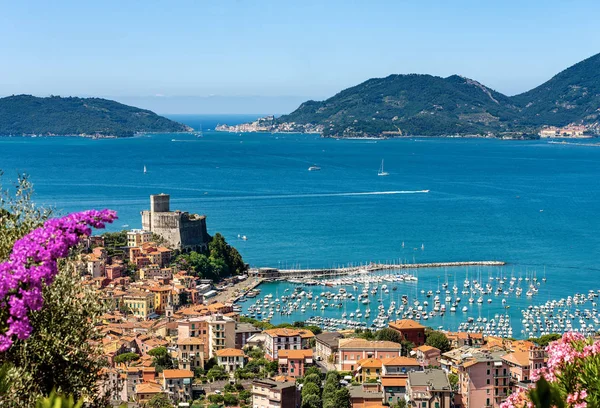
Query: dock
[275,273]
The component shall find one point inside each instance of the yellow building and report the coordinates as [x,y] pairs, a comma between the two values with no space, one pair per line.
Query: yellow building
[162,297]
[141,304]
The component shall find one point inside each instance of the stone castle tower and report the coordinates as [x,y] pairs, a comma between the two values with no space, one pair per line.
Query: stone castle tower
[181,230]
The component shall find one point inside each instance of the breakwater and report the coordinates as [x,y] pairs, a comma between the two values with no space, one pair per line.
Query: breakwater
[274,273]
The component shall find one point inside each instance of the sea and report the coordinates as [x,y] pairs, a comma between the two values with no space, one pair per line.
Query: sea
[532,204]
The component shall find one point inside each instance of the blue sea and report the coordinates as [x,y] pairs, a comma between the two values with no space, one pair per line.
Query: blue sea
[531,204]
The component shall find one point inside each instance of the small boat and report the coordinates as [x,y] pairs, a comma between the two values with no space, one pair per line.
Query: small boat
[245,238]
[314,168]
[381,171]
[145,171]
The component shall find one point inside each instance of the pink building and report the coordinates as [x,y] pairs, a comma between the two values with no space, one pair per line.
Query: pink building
[484,380]
[350,351]
[292,363]
[429,389]
[428,356]
[523,362]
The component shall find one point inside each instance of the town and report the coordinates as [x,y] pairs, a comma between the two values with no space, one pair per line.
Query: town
[173,338]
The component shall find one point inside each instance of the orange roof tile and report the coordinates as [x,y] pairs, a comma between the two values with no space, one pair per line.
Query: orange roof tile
[230,352]
[282,332]
[399,361]
[295,354]
[354,343]
[520,358]
[393,381]
[177,374]
[405,324]
[370,363]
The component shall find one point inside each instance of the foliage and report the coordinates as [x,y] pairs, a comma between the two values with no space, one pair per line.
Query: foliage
[216,398]
[310,388]
[26,114]
[159,401]
[311,401]
[342,396]
[57,401]
[245,396]
[453,379]
[545,339]
[114,242]
[438,340]
[256,323]
[126,358]
[388,334]
[221,260]
[230,399]
[400,404]
[217,373]
[312,378]
[569,379]
[162,359]
[312,370]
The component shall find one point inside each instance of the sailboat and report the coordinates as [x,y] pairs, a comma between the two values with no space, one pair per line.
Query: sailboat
[381,171]
[145,171]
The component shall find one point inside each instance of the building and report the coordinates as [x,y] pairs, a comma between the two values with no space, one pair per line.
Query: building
[137,237]
[221,333]
[351,351]
[326,346]
[270,394]
[369,369]
[292,363]
[399,366]
[483,379]
[163,297]
[410,331]
[144,392]
[177,384]
[181,230]
[140,304]
[394,389]
[428,356]
[155,272]
[285,339]
[365,396]
[190,353]
[429,389]
[243,331]
[230,359]
[114,271]
[522,362]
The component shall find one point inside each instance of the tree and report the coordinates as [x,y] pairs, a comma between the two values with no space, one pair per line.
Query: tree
[388,334]
[342,397]
[159,401]
[311,401]
[312,378]
[311,389]
[217,373]
[245,396]
[230,399]
[406,347]
[312,370]
[126,358]
[453,379]
[216,398]
[546,339]
[438,340]
[333,376]
[162,359]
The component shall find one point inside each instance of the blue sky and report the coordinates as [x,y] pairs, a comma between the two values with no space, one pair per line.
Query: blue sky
[280,52]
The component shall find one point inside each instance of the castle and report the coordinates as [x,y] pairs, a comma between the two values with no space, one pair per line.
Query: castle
[181,230]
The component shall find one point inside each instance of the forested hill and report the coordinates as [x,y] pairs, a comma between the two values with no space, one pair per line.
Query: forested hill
[26,115]
[428,105]
[411,104]
[570,96]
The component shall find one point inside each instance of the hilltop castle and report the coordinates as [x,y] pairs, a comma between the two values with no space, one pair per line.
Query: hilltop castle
[181,230]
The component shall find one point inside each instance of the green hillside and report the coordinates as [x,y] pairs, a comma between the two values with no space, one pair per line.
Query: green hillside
[26,114]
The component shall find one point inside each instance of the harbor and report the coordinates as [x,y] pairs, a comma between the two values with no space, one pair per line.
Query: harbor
[482,297]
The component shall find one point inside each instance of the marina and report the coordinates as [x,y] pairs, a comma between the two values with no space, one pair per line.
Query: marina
[484,299]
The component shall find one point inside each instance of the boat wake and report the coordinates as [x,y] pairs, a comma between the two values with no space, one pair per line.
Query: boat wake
[312,195]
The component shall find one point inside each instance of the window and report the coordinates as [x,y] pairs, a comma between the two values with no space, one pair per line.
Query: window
[488,372]
[488,381]
[487,401]
[424,404]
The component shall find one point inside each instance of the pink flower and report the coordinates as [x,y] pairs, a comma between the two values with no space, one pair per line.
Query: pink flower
[33,263]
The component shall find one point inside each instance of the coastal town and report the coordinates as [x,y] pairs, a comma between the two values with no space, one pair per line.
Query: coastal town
[177,339]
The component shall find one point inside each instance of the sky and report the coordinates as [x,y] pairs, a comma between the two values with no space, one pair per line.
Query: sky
[255,56]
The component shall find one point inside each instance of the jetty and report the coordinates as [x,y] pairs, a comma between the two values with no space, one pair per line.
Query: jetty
[275,273]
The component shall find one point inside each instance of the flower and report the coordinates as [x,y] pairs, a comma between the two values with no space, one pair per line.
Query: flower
[33,264]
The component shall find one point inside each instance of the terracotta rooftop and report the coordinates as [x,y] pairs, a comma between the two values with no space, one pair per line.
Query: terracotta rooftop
[148,388]
[192,341]
[369,363]
[230,352]
[282,332]
[393,381]
[520,358]
[177,374]
[295,354]
[405,324]
[400,361]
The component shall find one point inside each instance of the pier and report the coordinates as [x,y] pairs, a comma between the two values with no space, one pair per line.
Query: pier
[275,273]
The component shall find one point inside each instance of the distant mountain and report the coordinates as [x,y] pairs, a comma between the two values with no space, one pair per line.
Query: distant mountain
[573,95]
[26,114]
[429,105]
[411,104]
